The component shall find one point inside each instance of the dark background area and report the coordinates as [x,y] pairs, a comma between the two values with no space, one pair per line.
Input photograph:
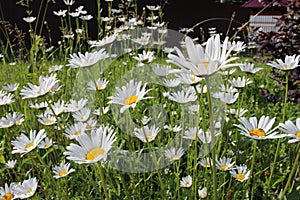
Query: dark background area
[178,13]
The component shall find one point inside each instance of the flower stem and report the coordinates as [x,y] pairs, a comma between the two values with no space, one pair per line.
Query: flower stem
[279,140]
[292,172]
[251,169]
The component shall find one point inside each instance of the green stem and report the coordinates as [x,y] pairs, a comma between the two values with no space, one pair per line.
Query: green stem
[251,170]
[213,157]
[292,172]
[102,180]
[279,140]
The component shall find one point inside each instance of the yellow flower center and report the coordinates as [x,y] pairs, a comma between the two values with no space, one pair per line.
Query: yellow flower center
[63,173]
[94,153]
[193,136]
[224,167]
[258,132]
[77,133]
[7,196]
[193,80]
[31,144]
[206,165]
[240,176]
[131,100]
[18,123]
[144,40]
[29,191]
[88,127]
[48,121]
[99,86]
[149,138]
[47,146]
[53,89]
[175,157]
[298,134]
[206,64]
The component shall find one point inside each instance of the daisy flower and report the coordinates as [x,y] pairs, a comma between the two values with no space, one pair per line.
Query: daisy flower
[145,120]
[104,41]
[184,96]
[23,144]
[69,2]
[206,137]
[46,143]
[291,130]
[46,83]
[205,162]
[186,181]
[62,170]
[74,105]
[239,82]
[93,148]
[58,108]
[82,115]
[204,62]
[129,95]
[224,164]
[29,19]
[55,68]
[188,78]
[145,57]
[240,173]
[10,87]
[162,70]
[38,105]
[260,130]
[11,164]
[238,46]
[86,60]
[75,130]
[174,154]
[153,8]
[9,192]
[98,111]
[60,13]
[171,82]
[86,17]
[144,40]
[47,119]
[249,68]
[191,133]
[227,97]
[146,133]
[28,188]
[5,98]
[290,62]
[11,119]
[202,193]
[99,84]
[227,72]
[173,129]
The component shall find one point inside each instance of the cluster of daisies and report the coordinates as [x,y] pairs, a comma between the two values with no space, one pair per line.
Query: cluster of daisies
[93,143]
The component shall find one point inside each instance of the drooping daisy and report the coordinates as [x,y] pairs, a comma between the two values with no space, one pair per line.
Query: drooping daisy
[184,96]
[249,68]
[10,87]
[46,83]
[46,143]
[240,173]
[224,164]
[62,170]
[171,82]
[291,130]
[289,63]
[93,148]
[174,154]
[23,144]
[28,188]
[129,95]
[99,84]
[75,130]
[29,19]
[204,62]
[9,192]
[11,164]
[186,181]
[239,82]
[88,59]
[260,130]
[146,133]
